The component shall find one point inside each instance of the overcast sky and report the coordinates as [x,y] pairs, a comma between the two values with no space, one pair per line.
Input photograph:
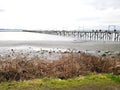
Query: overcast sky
[58,14]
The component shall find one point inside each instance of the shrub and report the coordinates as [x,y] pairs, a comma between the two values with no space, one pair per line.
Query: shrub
[69,65]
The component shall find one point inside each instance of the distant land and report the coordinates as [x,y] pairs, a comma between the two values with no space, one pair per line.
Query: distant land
[11,30]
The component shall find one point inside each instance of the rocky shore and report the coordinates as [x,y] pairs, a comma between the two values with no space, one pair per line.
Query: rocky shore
[49,53]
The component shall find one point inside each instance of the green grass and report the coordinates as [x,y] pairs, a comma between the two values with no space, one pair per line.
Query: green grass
[88,82]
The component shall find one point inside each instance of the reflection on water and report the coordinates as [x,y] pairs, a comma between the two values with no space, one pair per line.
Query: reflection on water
[23,36]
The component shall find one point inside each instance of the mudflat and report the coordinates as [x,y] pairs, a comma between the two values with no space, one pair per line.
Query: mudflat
[79,45]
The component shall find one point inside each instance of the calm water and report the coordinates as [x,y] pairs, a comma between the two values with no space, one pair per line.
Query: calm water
[28,39]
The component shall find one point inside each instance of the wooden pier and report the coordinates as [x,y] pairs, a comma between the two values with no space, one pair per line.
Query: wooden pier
[95,35]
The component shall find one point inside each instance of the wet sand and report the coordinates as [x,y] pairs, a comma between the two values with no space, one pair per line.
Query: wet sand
[78,45]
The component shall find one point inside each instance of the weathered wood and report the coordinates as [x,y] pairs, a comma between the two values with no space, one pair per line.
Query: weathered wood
[87,35]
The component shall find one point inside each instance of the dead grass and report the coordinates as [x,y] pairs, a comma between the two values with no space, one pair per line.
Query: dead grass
[70,65]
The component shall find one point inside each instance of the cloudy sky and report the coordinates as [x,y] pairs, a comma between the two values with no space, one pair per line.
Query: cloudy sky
[58,14]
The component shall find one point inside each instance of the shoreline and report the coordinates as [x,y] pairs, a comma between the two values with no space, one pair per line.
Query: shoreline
[55,49]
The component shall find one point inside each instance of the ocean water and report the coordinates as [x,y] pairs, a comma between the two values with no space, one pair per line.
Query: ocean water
[29,36]
[23,40]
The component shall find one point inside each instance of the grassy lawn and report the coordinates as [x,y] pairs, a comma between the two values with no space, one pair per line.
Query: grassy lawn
[88,82]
